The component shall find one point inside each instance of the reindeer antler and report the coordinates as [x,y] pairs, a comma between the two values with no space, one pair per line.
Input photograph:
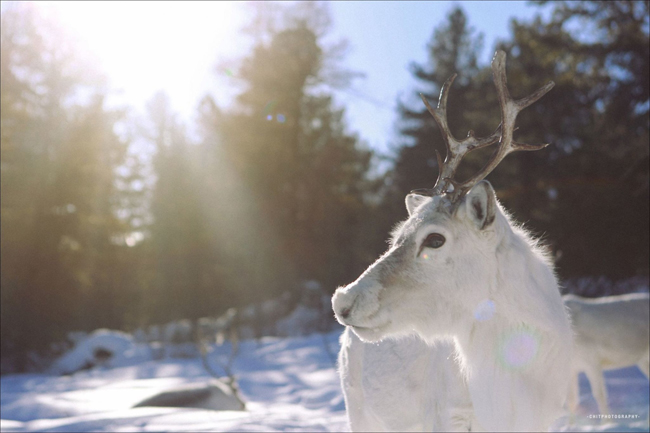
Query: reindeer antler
[456,149]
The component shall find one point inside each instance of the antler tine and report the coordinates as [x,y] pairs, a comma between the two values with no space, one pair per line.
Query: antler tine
[440,113]
[440,164]
[510,108]
[456,149]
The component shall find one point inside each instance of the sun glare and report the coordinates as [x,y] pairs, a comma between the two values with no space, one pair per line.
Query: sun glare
[144,47]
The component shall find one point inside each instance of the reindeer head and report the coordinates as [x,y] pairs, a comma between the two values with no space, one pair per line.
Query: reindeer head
[442,259]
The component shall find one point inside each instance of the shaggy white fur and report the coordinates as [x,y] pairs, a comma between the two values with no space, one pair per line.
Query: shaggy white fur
[383,385]
[489,288]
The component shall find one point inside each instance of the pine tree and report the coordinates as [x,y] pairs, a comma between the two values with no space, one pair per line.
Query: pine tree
[59,154]
[454,48]
[180,244]
[301,172]
[590,189]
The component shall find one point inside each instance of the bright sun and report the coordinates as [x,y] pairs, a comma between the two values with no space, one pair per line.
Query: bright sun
[144,47]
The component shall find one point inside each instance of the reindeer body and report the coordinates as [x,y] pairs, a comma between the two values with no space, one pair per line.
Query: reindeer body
[610,332]
[458,269]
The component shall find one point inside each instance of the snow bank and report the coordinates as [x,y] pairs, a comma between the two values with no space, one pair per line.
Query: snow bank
[592,287]
[289,384]
[101,348]
[212,395]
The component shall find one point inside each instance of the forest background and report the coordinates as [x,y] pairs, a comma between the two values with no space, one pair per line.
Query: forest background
[118,221]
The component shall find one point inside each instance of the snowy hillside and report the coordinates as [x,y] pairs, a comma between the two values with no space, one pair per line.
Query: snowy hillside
[289,384]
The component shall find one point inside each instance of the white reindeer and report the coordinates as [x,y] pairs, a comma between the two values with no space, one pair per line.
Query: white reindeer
[610,332]
[459,269]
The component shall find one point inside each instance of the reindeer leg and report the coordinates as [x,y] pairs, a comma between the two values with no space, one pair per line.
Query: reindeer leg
[573,400]
[598,388]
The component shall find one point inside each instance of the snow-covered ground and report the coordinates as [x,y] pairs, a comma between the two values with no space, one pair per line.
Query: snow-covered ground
[289,384]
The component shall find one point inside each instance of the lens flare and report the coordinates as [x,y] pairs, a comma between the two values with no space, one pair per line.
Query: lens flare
[485,310]
[281,118]
[518,349]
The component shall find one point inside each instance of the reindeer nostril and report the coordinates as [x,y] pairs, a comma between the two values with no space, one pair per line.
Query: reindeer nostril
[345,312]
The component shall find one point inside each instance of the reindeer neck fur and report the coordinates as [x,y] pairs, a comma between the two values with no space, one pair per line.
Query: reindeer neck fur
[513,390]
[509,390]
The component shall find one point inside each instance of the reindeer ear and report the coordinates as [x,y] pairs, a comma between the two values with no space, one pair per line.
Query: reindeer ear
[413,201]
[480,205]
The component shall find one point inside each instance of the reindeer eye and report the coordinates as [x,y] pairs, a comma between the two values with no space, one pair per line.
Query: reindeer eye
[434,240]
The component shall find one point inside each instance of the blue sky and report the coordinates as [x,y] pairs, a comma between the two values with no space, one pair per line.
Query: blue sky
[387,36]
[144,47]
